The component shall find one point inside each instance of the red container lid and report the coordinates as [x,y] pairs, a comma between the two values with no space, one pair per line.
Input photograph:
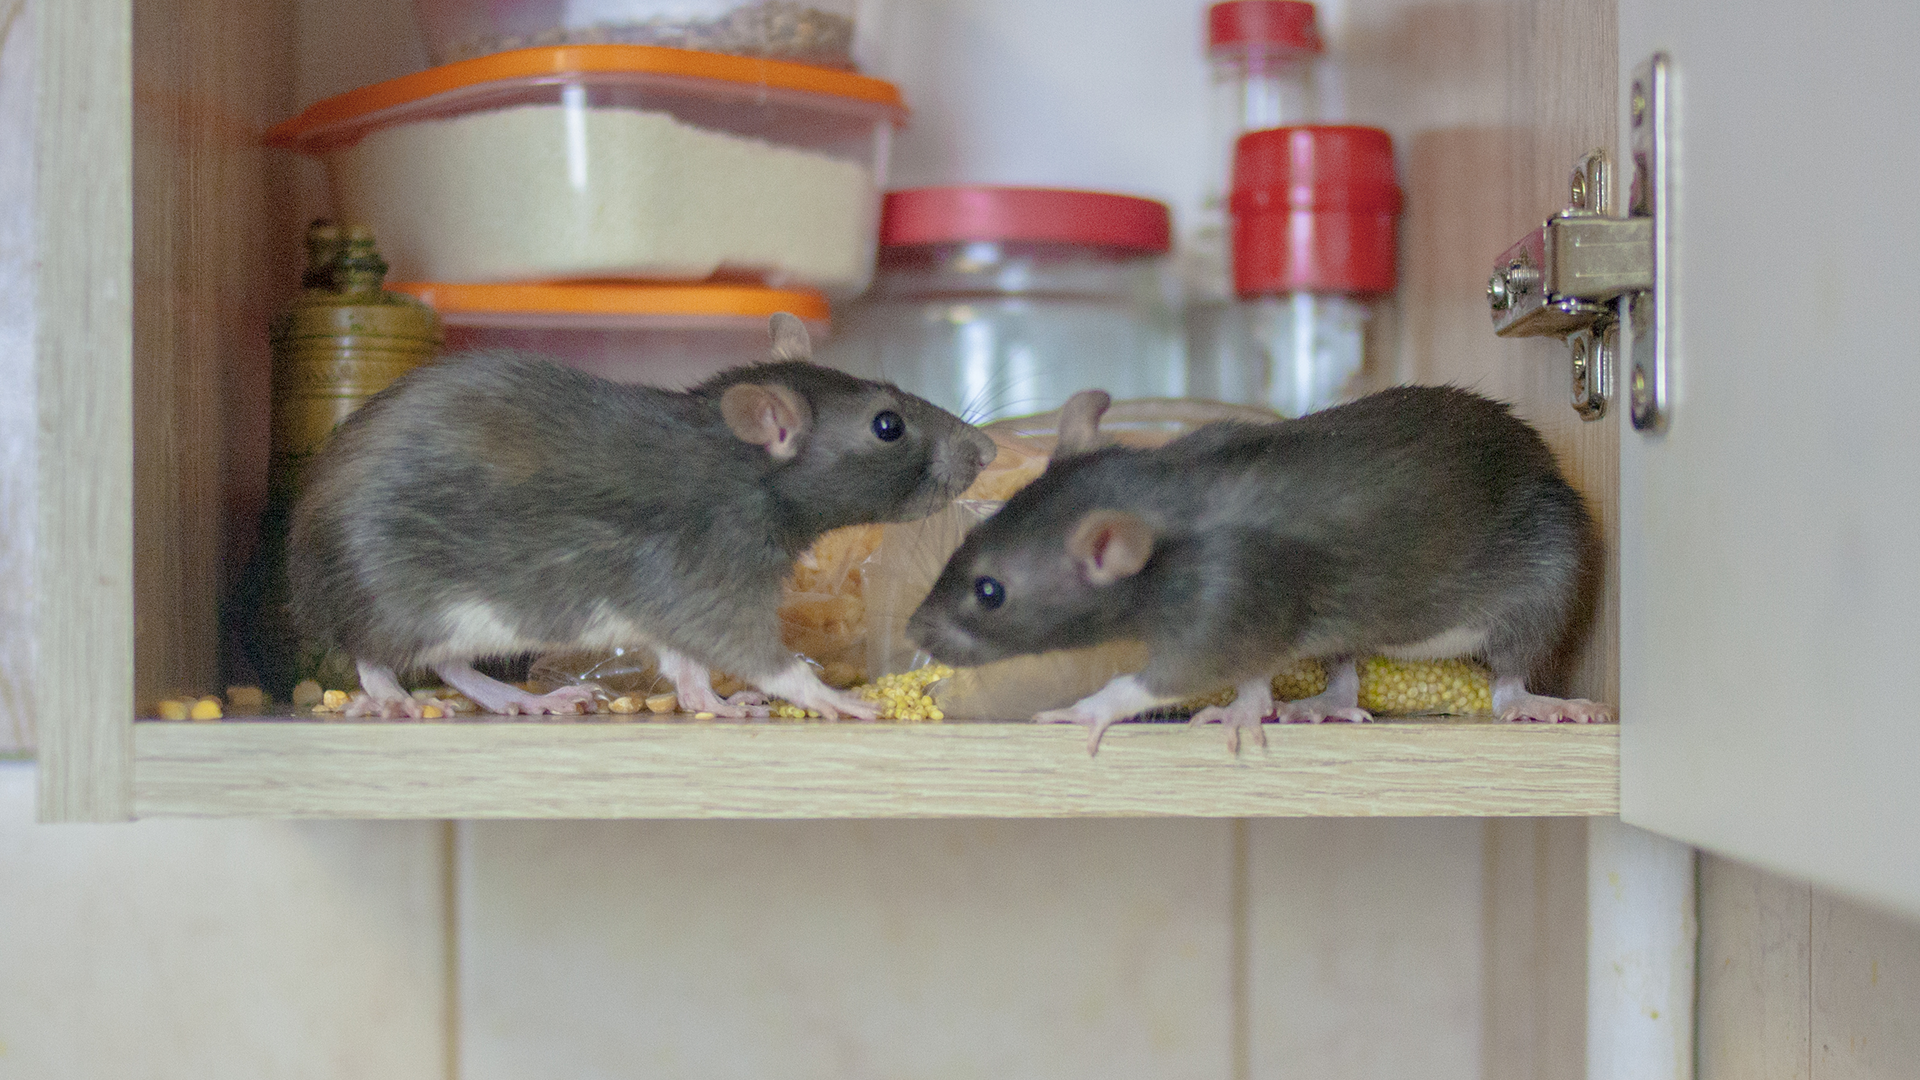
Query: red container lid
[1313,210]
[948,215]
[1285,23]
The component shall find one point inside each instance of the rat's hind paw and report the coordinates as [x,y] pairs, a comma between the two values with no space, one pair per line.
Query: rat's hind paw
[1301,712]
[362,704]
[1252,706]
[1236,718]
[1073,714]
[1550,710]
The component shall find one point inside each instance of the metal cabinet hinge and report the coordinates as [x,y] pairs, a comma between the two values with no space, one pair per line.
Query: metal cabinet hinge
[1572,277]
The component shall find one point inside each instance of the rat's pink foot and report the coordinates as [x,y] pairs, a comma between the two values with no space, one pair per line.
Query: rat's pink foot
[497,697]
[567,700]
[693,685]
[407,708]
[797,683]
[1252,706]
[1512,703]
[1121,698]
[381,696]
[1305,711]
[1339,701]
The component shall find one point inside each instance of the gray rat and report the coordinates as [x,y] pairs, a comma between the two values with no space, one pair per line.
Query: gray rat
[1418,522]
[497,503]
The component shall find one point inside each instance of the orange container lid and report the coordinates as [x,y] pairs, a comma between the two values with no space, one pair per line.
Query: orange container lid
[367,104]
[603,299]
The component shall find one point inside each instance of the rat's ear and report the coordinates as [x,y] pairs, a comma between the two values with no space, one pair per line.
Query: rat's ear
[767,415]
[790,341]
[1080,422]
[1110,545]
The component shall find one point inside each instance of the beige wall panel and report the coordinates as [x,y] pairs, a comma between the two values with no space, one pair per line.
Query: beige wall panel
[1866,992]
[1043,949]
[1755,952]
[1534,1016]
[218,950]
[1365,953]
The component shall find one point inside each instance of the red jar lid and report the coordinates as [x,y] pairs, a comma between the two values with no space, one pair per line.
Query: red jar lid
[1313,210]
[948,215]
[1286,23]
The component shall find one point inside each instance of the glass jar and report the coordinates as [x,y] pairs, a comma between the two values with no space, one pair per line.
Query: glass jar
[995,301]
[1263,59]
[1313,212]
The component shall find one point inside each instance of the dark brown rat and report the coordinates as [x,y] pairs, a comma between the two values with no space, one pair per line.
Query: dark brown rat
[496,503]
[1419,522]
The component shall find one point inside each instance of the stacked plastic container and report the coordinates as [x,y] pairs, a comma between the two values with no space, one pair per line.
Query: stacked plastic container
[639,168]
[1298,244]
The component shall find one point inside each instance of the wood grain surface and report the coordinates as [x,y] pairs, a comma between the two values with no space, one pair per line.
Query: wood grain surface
[83,546]
[824,770]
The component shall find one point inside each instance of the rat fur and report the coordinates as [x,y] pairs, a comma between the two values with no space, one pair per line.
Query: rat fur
[497,503]
[1418,522]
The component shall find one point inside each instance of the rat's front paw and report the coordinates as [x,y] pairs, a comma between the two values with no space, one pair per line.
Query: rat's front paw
[1551,710]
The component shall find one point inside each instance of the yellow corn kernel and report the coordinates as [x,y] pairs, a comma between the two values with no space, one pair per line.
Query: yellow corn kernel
[171,710]
[431,712]
[663,703]
[624,705]
[1303,679]
[703,716]
[334,699]
[1424,686]
[306,692]
[207,708]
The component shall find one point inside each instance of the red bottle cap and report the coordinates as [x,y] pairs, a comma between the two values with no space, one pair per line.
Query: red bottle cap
[1283,23]
[947,215]
[1313,210]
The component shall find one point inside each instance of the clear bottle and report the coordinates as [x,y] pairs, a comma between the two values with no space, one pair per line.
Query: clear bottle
[1264,62]
[1312,212]
[998,301]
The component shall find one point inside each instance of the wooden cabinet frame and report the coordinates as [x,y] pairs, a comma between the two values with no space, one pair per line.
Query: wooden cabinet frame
[145,161]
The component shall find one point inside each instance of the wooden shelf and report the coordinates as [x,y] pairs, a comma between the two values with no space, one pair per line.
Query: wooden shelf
[597,769]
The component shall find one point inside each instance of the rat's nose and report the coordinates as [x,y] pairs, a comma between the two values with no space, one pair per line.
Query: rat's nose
[984,449]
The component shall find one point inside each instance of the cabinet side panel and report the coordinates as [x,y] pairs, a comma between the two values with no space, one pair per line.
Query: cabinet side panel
[83,554]
[1490,103]
[215,254]
[17,319]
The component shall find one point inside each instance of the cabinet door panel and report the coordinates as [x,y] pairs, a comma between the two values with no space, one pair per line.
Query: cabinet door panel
[1770,579]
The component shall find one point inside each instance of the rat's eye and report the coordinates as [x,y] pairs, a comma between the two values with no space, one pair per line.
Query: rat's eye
[887,426]
[989,592]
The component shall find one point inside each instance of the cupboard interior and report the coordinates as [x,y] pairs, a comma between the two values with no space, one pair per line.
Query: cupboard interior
[1489,105]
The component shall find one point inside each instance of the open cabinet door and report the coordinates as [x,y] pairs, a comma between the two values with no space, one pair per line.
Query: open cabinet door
[1770,536]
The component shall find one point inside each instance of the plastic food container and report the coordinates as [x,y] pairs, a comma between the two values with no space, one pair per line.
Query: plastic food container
[1313,249]
[612,161]
[1264,56]
[660,335]
[803,31]
[998,301]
